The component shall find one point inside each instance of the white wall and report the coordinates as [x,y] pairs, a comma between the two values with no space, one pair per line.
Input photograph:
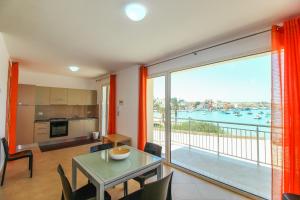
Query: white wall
[251,45]
[54,80]
[127,91]
[128,79]
[4,62]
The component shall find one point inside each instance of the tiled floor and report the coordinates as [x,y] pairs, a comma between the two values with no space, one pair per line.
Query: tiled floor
[46,185]
[247,176]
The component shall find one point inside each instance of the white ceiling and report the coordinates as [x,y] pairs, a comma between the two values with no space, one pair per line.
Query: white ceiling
[49,35]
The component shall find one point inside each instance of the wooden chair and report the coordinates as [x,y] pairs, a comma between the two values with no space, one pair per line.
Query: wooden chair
[101,147]
[86,192]
[16,156]
[158,190]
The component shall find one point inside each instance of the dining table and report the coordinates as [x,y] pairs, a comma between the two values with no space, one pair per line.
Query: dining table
[104,172]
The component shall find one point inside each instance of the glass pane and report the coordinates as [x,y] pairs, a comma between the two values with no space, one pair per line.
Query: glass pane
[104,110]
[221,122]
[156,111]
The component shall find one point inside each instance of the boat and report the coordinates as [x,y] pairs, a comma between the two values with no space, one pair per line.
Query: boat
[257,117]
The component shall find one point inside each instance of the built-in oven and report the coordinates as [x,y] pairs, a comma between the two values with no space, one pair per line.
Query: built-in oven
[58,127]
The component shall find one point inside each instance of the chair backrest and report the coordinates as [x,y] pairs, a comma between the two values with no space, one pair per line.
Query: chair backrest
[153,149]
[5,147]
[158,190]
[101,147]
[67,190]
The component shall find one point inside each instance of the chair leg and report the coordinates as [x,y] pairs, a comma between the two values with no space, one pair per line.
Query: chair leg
[31,165]
[142,184]
[62,196]
[125,188]
[3,173]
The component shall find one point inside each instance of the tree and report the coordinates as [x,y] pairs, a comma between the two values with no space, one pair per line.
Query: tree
[175,107]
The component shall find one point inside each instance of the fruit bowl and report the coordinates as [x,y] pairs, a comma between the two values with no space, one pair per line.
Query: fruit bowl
[119,153]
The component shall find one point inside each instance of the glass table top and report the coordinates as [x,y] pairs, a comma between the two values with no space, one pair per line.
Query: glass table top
[101,165]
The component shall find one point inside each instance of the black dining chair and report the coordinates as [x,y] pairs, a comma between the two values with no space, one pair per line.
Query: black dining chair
[16,156]
[158,190]
[86,192]
[290,196]
[155,150]
[101,147]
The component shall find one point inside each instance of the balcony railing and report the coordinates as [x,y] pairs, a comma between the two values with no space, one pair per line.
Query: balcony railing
[250,142]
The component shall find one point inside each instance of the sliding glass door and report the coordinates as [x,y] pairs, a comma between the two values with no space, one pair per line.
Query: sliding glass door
[215,120]
[157,111]
[104,108]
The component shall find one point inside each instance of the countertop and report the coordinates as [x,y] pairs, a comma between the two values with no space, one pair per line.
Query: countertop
[69,119]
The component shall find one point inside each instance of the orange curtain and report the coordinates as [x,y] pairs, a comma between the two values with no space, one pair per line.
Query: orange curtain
[286,108]
[112,105]
[13,78]
[142,120]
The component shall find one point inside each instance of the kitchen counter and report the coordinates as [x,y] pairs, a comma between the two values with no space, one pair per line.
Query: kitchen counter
[70,119]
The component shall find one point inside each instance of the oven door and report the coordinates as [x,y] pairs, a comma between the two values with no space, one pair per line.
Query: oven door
[58,128]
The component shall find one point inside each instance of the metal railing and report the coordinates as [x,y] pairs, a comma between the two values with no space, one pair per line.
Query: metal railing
[250,142]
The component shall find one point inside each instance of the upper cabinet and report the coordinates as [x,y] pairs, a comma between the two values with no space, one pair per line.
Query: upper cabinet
[58,96]
[91,97]
[36,95]
[42,96]
[76,97]
[26,94]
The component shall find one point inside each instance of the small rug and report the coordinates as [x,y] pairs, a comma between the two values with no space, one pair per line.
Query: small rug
[67,144]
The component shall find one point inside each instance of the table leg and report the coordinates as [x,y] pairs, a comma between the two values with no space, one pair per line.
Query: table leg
[100,192]
[74,175]
[159,171]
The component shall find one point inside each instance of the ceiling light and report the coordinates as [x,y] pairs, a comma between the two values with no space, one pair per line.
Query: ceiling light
[135,11]
[74,68]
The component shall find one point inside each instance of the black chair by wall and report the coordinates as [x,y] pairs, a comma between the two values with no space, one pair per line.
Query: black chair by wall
[101,147]
[289,196]
[155,150]
[16,156]
[86,192]
[158,190]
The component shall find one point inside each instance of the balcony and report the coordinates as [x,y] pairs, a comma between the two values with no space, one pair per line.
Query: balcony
[234,153]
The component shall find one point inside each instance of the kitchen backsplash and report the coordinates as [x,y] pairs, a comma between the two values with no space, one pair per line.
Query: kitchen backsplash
[64,111]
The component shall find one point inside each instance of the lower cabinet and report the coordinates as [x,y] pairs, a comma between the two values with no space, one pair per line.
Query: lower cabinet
[83,127]
[41,131]
[76,128]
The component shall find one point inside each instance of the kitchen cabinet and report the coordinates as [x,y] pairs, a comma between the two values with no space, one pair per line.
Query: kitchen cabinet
[76,97]
[91,125]
[58,96]
[26,94]
[91,97]
[25,124]
[76,128]
[42,96]
[41,131]
[82,127]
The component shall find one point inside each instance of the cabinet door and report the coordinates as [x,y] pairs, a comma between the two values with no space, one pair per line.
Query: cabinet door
[76,97]
[91,97]
[58,96]
[41,132]
[42,96]
[76,128]
[26,94]
[25,125]
[91,125]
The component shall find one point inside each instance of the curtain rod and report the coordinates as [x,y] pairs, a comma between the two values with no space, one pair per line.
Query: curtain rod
[213,46]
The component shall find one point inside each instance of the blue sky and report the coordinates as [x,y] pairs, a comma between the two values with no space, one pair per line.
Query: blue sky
[246,79]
